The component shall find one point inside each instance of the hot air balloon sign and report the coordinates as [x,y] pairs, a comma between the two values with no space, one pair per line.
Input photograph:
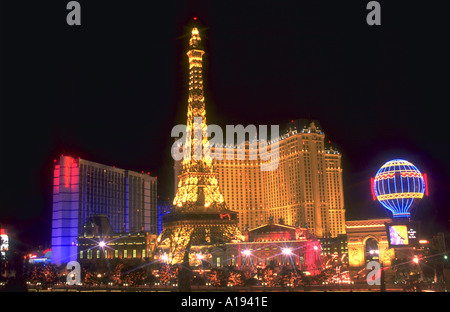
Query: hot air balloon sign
[398,186]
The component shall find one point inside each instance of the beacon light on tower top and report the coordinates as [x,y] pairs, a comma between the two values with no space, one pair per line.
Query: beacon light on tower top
[195,38]
[397,185]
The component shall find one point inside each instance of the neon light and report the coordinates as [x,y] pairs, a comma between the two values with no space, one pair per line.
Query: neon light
[374,197]
[399,195]
[67,166]
[397,184]
[225,215]
[425,178]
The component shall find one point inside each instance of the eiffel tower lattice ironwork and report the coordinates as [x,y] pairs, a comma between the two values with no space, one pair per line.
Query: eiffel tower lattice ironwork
[200,216]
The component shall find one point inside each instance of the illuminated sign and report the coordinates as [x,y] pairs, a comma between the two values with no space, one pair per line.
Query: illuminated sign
[4,242]
[398,235]
[397,186]
[402,234]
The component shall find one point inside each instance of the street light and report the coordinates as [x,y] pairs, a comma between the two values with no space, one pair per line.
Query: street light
[102,244]
[165,258]
[286,251]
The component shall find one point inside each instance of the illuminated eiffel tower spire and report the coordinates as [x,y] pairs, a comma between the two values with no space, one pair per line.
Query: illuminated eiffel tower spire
[198,188]
[200,217]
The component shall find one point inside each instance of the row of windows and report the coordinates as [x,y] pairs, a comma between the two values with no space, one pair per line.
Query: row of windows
[111,253]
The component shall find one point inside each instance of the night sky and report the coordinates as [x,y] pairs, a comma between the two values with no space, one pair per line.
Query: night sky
[111,90]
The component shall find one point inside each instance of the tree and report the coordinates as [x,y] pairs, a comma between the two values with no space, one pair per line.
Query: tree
[216,277]
[268,276]
[134,278]
[89,278]
[168,275]
[49,274]
[117,273]
[36,275]
[235,278]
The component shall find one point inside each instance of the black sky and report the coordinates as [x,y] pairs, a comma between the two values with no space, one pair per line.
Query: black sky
[111,90]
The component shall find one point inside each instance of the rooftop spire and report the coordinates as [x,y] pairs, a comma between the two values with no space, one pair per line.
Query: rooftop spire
[195,40]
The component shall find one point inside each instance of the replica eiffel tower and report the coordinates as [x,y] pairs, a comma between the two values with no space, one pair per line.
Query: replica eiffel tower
[200,218]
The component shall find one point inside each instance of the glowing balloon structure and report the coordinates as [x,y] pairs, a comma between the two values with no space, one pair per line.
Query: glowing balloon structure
[398,184]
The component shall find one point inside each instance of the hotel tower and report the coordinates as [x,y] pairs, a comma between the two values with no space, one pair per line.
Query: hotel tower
[305,189]
[83,188]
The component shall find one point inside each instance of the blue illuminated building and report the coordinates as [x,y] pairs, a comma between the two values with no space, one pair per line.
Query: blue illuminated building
[164,207]
[83,188]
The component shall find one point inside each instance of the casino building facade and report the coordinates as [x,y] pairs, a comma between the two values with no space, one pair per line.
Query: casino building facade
[82,188]
[277,244]
[306,189]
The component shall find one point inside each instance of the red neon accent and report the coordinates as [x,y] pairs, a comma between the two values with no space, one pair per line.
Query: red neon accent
[371,188]
[148,172]
[425,178]
[225,215]
[2,232]
[56,179]
[292,120]
[67,167]
[74,176]
[195,18]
